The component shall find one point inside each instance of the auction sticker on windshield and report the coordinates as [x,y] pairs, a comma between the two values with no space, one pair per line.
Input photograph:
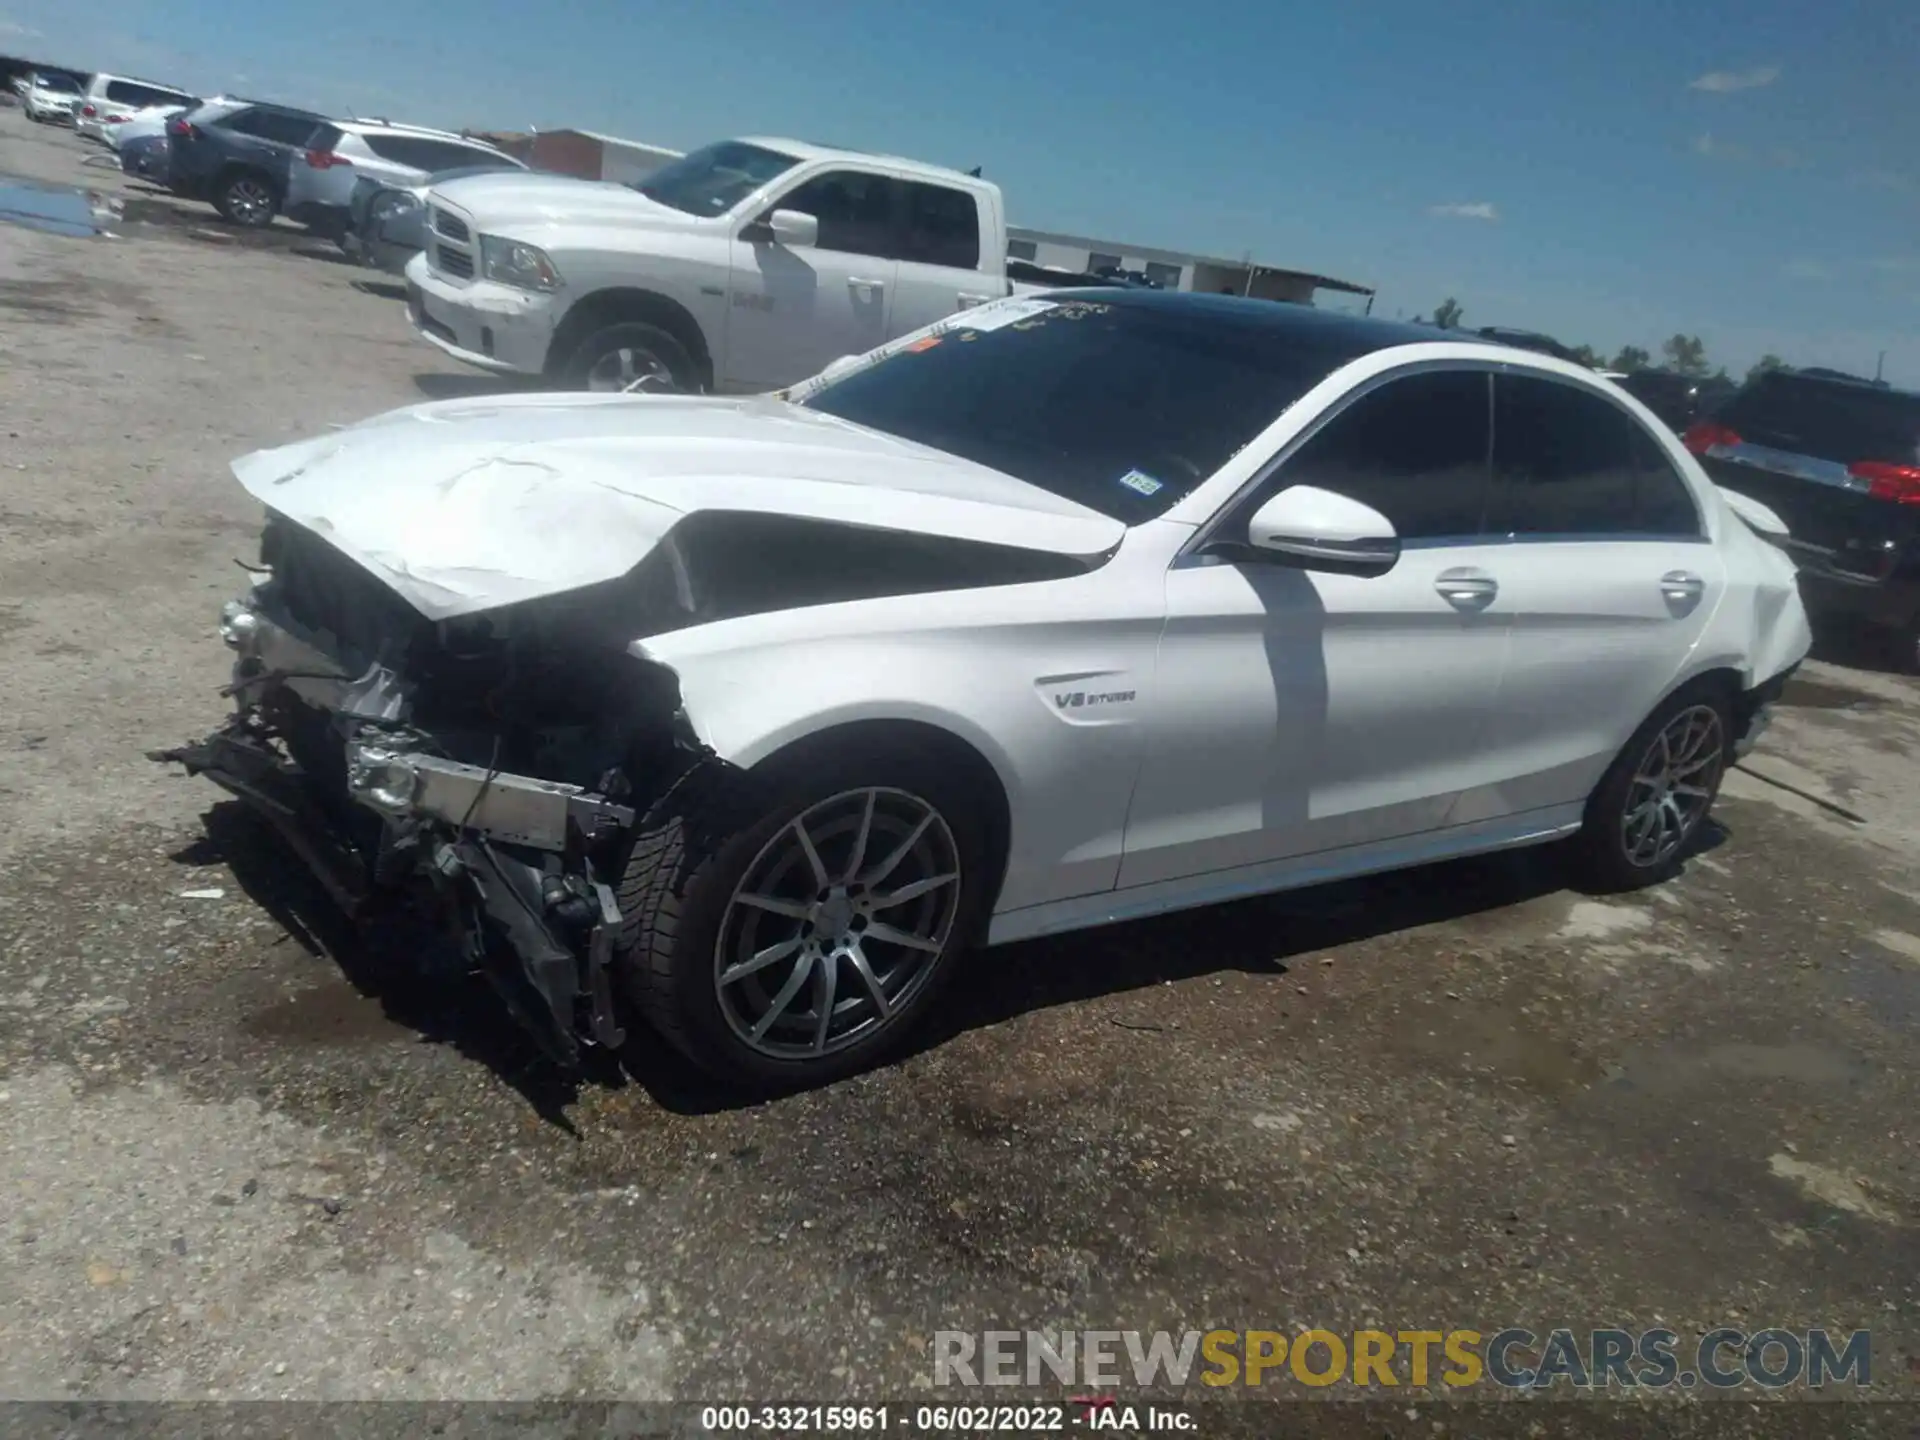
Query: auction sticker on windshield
[1005,315]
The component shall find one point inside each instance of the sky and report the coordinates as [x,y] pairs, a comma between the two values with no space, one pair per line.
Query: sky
[1609,173]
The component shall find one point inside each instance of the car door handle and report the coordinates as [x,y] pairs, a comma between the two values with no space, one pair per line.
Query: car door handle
[1682,589]
[1466,588]
[867,287]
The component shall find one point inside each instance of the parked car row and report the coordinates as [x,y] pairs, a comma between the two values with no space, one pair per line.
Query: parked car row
[253,160]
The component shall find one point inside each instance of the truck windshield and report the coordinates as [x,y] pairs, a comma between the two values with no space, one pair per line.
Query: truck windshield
[1120,406]
[714,180]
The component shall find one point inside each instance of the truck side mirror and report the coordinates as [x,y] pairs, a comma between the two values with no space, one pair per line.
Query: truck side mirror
[794,229]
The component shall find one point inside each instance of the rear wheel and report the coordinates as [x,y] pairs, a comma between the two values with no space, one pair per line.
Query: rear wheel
[795,931]
[247,200]
[1647,811]
[633,355]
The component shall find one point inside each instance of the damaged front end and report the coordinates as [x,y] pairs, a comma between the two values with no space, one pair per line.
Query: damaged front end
[490,767]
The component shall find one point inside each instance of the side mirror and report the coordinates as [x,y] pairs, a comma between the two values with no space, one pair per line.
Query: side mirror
[1321,530]
[795,229]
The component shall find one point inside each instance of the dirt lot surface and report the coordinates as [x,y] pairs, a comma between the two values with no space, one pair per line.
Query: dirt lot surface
[243,1155]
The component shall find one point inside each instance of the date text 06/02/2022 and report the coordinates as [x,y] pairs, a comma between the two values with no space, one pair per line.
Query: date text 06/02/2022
[1093,1415]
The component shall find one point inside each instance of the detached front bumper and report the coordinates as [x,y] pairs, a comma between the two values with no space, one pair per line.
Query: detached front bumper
[366,804]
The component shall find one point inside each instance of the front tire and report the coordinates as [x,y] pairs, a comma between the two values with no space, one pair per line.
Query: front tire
[612,359]
[1647,811]
[787,929]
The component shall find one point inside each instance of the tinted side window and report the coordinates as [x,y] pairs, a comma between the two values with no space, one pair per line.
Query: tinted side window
[241,122]
[1662,504]
[943,227]
[287,129]
[126,92]
[855,211]
[1570,463]
[401,149]
[1415,450]
[446,155]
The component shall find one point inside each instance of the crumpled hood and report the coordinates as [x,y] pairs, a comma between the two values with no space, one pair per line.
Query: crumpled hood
[466,505]
[515,197]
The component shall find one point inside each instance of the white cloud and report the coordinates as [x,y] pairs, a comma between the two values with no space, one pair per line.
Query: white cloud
[1725,82]
[1712,149]
[13,29]
[1806,270]
[1469,210]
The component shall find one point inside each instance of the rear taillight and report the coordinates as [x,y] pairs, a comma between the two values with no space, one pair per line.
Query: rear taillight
[1889,481]
[326,159]
[181,128]
[1703,435]
[88,111]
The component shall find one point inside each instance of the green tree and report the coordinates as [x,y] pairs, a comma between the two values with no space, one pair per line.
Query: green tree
[1447,313]
[1587,356]
[1629,359]
[1764,365]
[1686,355]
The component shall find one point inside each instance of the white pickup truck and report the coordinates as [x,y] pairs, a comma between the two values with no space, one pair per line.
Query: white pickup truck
[745,266]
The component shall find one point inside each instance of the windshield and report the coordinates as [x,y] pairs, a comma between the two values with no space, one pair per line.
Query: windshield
[714,180]
[1122,407]
[60,83]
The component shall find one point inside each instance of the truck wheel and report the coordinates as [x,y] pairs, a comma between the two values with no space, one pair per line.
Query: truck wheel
[613,359]
[786,930]
[1649,807]
[247,200]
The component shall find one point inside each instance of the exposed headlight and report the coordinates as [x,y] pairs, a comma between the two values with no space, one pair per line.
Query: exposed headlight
[382,779]
[239,626]
[513,262]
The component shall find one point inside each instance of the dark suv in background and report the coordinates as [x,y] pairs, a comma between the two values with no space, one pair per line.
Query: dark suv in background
[237,155]
[1839,461]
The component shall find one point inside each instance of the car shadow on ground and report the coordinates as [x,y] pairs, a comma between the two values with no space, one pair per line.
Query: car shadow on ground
[411,970]
[399,959]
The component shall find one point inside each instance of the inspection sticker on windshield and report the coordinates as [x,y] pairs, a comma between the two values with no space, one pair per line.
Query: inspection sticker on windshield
[1144,483]
[1005,315]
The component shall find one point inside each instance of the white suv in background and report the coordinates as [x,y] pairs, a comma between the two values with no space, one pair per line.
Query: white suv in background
[113,98]
[320,190]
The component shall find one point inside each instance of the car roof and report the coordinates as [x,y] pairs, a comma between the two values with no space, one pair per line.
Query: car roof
[109,77]
[806,150]
[425,132]
[1359,334]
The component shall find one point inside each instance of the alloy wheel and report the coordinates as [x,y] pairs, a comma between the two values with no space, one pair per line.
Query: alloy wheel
[1672,787]
[249,201]
[630,368]
[837,924]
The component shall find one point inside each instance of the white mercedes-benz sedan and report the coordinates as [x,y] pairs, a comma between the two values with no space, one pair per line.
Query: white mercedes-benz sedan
[749,718]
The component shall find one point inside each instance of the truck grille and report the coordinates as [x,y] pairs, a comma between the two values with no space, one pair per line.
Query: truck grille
[456,263]
[451,226]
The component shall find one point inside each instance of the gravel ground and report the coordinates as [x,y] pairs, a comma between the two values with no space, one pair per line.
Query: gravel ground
[243,1155]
